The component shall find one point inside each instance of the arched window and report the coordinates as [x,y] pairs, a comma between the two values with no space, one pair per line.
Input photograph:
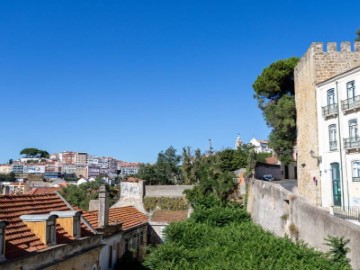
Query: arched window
[331,96]
[332,138]
[353,130]
[350,86]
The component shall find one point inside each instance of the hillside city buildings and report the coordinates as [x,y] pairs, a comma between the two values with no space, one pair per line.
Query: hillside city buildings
[70,164]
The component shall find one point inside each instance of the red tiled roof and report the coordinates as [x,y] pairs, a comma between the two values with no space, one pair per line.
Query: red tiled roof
[129,217]
[44,190]
[271,160]
[133,180]
[20,240]
[169,216]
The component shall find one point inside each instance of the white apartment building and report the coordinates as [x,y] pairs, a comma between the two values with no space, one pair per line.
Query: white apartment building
[261,146]
[338,112]
[128,168]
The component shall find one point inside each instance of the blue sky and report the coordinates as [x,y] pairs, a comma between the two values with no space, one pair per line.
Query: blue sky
[130,78]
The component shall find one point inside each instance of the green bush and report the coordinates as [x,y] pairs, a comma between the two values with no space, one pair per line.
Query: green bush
[165,203]
[225,238]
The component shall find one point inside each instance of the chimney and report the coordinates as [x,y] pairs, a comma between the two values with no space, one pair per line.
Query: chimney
[103,219]
[6,190]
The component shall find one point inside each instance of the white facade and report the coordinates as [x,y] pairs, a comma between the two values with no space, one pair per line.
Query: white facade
[261,146]
[34,169]
[338,112]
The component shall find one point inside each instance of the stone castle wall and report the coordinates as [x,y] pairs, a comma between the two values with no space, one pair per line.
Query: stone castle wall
[315,66]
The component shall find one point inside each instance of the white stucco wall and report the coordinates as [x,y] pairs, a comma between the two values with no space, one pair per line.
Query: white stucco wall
[351,190]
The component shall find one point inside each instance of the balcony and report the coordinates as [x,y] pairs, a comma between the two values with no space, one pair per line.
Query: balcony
[330,110]
[333,145]
[351,104]
[352,143]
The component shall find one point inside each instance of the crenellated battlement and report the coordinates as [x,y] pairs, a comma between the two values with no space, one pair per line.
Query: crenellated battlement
[331,47]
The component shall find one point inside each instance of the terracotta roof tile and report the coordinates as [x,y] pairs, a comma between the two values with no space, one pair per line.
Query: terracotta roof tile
[169,216]
[20,240]
[129,217]
[44,190]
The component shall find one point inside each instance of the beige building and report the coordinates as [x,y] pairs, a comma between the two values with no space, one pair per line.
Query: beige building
[5,168]
[81,172]
[81,158]
[317,65]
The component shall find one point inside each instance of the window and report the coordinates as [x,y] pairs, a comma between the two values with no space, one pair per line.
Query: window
[141,238]
[50,232]
[126,245]
[110,256]
[331,96]
[76,227]
[2,241]
[356,171]
[350,86]
[332,138]
[353,130]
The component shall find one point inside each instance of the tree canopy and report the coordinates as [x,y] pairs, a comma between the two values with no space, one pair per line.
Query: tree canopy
[34,153]
[275,93]
[358,35]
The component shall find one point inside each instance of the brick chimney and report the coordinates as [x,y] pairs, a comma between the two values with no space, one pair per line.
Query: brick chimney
[103,219]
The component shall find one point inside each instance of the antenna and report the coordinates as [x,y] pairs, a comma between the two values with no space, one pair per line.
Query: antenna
[211,149]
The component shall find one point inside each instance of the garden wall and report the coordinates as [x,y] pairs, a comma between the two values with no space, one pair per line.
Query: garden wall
[284,213]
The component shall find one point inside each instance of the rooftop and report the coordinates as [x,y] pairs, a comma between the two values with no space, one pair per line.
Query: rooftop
[20,240]
[129,217]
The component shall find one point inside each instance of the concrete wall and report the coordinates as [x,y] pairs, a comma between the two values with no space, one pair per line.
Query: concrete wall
[131,194]
[171,191]
[276,209]
[315,66]
[79,255]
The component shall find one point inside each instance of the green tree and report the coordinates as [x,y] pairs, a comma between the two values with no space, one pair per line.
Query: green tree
[275,91]
[34,153]
[187,165]
[358,35]
[168,167]
[148,172]
[82,194]
[338,249]
[166,170]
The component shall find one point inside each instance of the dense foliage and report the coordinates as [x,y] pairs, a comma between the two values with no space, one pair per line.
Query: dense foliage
[225,238]
[275,91]
[192,166]
[165,171]
[34,153]
[82,194]
[165,203]
[357,35]
[7,177]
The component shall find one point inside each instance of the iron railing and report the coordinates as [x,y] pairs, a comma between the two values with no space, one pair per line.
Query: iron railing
[352,143]
[330,110]
[347,212]
[350,103]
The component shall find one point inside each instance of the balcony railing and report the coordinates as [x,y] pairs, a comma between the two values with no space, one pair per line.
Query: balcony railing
[333,145]
[351,103]
[352,143]
[347,212]
[330,110]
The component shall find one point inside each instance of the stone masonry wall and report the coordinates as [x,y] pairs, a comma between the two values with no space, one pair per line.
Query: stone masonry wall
[315,66]
[284,213]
